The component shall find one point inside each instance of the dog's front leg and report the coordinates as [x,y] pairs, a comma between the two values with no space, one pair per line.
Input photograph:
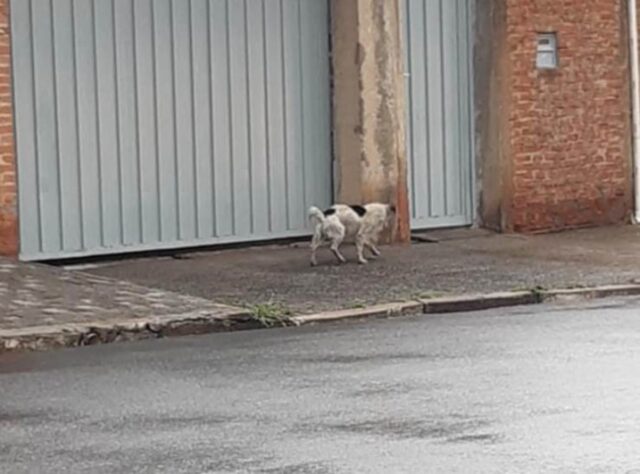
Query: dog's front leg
[360,243]
[374,250]
[336,251]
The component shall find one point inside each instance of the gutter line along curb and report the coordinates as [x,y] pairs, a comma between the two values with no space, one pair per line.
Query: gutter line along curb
[74,335]
[38,338]
[472,302]
[440,305]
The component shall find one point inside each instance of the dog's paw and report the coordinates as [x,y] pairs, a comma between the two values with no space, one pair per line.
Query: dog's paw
[362,261]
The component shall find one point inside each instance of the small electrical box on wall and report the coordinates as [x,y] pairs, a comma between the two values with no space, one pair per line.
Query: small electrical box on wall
[547,51]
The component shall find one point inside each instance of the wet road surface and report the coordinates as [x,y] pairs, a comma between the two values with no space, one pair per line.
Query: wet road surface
[545,389]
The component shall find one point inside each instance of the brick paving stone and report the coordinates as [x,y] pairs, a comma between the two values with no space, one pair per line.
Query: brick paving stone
[34,295]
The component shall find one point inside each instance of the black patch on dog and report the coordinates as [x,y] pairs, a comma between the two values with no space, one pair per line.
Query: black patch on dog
[360,210]
[392,208]
[329,212]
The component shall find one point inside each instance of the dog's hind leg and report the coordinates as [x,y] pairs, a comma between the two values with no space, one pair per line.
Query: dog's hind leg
[316,241]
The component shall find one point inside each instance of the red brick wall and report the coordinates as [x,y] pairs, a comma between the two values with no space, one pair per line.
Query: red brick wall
[569,129]
[8,206]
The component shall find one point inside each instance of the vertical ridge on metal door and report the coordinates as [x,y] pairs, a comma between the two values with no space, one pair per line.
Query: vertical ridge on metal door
[151,124]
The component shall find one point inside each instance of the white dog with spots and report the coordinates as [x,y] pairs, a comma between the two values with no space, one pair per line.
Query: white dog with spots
[360,224]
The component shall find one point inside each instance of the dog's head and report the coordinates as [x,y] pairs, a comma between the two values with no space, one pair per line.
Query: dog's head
[391,215]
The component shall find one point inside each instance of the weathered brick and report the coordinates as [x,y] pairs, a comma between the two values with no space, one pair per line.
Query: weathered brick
[573,120]
[8,210]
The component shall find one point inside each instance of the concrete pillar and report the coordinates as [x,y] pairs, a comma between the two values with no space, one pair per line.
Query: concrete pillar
[369,106]
[491,105]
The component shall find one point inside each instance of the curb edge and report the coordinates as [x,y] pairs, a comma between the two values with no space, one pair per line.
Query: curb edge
[76,335]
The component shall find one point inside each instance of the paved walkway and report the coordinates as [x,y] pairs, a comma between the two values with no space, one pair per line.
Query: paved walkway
[462,261]
[39,295]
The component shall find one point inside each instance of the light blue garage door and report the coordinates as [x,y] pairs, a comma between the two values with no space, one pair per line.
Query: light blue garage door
[439,79]
[148,124]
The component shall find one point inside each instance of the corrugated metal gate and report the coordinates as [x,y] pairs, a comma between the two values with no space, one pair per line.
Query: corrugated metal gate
[439,80]
[147,124]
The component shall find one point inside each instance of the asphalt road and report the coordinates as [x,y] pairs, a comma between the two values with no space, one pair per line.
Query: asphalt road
[546,389]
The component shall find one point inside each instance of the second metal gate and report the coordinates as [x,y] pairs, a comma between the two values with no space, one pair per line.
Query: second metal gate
[437,45]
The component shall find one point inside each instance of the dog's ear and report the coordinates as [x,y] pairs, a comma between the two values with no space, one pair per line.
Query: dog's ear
[392,208]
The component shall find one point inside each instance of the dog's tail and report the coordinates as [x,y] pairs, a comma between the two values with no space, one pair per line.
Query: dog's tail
[316,216]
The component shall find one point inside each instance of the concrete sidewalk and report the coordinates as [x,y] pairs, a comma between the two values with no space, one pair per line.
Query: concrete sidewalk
[463,261]
[43,306]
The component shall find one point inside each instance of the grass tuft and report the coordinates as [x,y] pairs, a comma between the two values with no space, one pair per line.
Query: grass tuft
[270,314]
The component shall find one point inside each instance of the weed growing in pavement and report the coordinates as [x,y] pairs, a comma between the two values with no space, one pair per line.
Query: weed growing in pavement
[358,304]
[429,295]
[270,314]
